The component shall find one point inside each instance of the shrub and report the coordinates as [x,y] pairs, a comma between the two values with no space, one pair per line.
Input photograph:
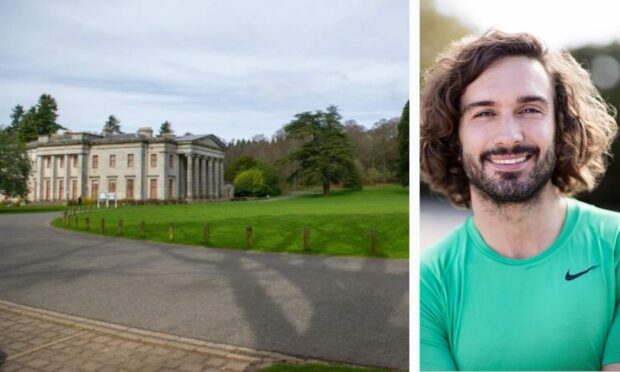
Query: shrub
[250,183]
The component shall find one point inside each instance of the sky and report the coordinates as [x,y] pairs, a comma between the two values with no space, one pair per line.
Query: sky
[561,24]
[230,68]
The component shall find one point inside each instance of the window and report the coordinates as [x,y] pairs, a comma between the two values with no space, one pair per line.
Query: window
[94,189]
[112,161]
[61,189]
[129,160]
[171,162]
[153,160]
[73,189]
[153,189]
[111,185]
[95,161]
[75,160]
[129,192]
[61,162]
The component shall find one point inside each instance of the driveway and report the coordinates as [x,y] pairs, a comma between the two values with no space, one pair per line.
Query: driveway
[352,310]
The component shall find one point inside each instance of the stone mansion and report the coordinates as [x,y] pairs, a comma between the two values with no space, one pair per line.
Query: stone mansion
[134,166]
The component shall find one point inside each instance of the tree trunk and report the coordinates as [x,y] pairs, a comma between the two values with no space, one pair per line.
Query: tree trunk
[326,186]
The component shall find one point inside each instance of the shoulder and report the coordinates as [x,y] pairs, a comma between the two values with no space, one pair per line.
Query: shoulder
[442,256]
[601,220]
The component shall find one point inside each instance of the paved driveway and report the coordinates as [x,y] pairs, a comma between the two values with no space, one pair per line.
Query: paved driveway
[344,309]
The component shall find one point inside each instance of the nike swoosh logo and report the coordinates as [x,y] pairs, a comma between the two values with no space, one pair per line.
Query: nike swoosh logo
[570,277]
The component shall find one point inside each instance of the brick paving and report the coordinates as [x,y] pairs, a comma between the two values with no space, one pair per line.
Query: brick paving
[40,340]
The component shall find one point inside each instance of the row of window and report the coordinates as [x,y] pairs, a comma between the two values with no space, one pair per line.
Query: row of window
[94,189]
[61,162]
[130,161]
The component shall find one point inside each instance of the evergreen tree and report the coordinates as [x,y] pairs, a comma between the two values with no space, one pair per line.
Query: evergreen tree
[326,156]
[403,147]
[165,129]
[113,125]
[16,118]
[40,119]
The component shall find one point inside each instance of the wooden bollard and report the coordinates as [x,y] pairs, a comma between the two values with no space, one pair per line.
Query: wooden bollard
[306,239]
[206,233]
[102,225]
[373,242]
[171,231]
[142,229]
[87,222]
[65,219]
[248,231]
[120,227]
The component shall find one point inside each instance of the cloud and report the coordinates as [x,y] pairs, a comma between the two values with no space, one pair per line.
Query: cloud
[241,67]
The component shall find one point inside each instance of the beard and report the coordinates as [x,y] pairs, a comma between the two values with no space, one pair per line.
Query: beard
[511,187]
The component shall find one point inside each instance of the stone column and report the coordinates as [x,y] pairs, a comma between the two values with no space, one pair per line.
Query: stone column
[162,172]
[54,179]
[41,185]
[190,176]
[210,177]
[216,177]
[81,176]
[203,174]
[66,181]
[221,179]
[196,177]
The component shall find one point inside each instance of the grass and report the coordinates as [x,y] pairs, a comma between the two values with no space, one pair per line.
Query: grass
[339,224]
[318,368]
[32,209]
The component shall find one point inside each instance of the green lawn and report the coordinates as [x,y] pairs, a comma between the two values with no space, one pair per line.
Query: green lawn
[338,224]
[32,209]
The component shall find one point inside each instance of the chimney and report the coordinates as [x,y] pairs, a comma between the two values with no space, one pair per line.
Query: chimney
[146,132]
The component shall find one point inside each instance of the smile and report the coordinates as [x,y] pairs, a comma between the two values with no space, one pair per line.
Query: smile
[509,161]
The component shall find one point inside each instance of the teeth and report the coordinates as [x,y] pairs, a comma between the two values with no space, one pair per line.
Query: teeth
[509,161]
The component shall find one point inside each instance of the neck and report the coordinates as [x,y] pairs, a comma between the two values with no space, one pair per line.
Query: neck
[520,230]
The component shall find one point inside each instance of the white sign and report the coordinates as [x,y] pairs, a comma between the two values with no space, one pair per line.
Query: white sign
[103,196]
[112,196]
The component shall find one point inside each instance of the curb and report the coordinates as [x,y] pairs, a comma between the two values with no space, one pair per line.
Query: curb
[238,353]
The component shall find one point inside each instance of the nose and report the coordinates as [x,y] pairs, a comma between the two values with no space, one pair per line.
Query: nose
[509,132]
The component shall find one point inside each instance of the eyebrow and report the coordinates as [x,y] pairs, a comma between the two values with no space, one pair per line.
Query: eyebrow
[521,99]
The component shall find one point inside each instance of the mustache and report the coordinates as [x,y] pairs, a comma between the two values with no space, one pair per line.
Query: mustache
[518,149]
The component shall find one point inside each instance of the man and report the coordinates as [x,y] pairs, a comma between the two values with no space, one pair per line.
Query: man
[532,280]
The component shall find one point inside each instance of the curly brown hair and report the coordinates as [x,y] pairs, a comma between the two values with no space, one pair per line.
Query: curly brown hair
[585,124]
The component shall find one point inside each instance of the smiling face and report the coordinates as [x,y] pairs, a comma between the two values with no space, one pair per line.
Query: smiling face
[507,130]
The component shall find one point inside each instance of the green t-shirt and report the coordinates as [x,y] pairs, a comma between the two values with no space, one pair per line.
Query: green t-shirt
[554,311]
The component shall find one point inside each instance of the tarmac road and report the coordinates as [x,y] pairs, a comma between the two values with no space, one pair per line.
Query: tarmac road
[352,310]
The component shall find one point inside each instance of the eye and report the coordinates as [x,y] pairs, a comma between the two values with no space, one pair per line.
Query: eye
[483,114]
[531,110]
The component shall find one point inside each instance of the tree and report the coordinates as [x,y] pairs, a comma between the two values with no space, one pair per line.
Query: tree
[113,125]
[16,118]
[39,120]
[403,147]
[15,166]
[326,156]
[241,164]
[165,129]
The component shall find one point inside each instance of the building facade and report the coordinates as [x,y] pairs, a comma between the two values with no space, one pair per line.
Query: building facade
[134,166]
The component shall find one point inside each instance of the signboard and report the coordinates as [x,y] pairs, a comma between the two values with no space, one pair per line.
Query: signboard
[112,196]
[103,196]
